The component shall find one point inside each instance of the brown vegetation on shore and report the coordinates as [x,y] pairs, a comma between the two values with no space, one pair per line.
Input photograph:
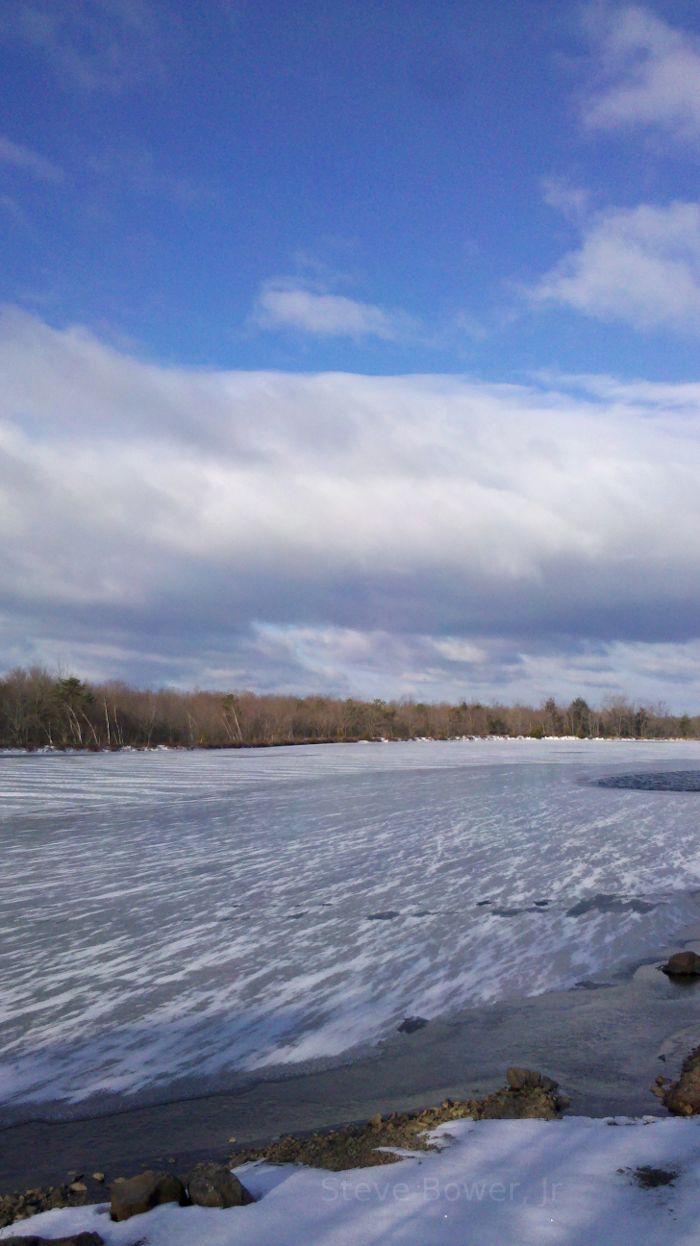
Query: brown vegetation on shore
[39,709]
[380,1141]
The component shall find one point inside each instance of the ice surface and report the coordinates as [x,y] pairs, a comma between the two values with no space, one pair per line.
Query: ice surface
[574,1182]
[202,914]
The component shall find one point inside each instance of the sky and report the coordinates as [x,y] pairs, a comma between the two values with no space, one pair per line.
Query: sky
[352,349]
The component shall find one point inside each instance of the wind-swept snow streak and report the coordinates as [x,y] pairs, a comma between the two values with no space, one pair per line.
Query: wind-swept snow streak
[199,915]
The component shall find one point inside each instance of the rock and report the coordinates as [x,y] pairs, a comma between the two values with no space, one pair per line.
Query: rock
[682,1097]
[77,1187]
[171,1189]
[214,1185]
[133,1196]
[79,1239]
[98,1176]
[410,1024]
[21,1206]
[528,1079]
[683,965]
[530,1103]
[528,1095]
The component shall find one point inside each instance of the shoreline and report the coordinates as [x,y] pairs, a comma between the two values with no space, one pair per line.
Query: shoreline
[235,747]
[604,1046]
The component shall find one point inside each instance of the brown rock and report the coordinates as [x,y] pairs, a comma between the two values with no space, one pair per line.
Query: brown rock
[683,1096]
[214,1185]
[528,1079]
[171,1189]
[133,1196]
[683,965]
[531,1103]
[21,1206]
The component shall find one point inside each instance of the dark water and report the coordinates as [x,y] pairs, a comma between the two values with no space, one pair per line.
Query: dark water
[655,781]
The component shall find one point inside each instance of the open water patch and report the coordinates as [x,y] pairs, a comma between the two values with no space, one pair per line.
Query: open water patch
[537,907]
[604,903]
[655,781]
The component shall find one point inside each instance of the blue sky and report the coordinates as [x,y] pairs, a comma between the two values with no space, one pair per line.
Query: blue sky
[222,225]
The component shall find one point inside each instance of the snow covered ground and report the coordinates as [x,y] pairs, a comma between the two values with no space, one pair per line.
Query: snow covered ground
[496,1183]
[199,915]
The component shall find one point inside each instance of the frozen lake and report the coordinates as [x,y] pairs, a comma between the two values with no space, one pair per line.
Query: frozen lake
[199,915]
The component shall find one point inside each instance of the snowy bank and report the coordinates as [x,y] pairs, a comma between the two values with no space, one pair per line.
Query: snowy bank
[575,1182]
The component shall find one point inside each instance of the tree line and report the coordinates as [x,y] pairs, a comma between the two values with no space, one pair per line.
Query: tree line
[39,709]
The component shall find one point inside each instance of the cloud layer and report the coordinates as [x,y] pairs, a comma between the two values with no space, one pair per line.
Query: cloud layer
[376,535]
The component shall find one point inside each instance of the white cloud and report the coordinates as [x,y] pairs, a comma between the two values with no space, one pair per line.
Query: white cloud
[342,532]
[290,306]
[456,650]
[638,265]
[649,74]
[28,161]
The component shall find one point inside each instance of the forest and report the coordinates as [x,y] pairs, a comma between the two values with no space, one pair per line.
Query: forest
[39,709]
